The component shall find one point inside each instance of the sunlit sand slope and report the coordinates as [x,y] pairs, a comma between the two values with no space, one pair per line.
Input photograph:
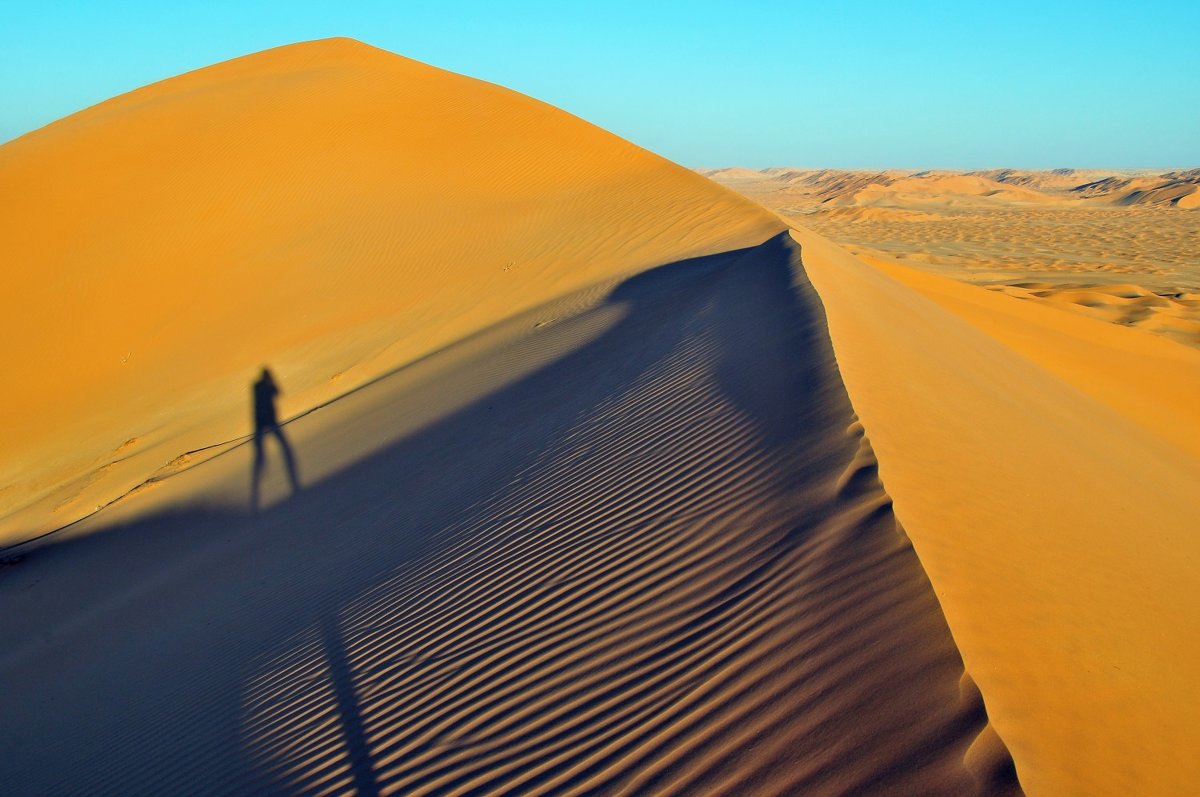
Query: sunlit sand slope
[1046,466]
[630,542]
[327,208]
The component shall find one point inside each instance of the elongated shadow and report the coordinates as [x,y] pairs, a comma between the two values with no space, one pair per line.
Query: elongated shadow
[266,424]
[348,711]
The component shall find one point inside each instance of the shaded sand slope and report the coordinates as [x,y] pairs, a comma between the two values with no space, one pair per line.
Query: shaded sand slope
[1054,513]
[658,561]
[328,208]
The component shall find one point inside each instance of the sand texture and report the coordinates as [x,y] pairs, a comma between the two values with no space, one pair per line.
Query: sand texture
[1046,466]
[585,505]
[1022,349]
[329,209]
[658,561]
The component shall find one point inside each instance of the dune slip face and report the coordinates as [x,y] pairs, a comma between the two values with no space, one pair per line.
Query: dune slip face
[650,554]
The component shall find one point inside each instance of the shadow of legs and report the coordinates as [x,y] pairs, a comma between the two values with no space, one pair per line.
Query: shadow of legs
[288,458]
[256,475]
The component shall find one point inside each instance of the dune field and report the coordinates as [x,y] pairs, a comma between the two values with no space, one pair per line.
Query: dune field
[609,479]
[1108,244]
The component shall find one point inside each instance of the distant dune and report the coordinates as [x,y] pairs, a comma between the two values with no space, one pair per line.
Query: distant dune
[584,504]
[1174,188]
[1071,239]
[1066,186]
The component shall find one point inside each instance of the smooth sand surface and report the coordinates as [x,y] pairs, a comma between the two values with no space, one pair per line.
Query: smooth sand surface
[585,505]
[329,209]
[1046,467]
[1148,378]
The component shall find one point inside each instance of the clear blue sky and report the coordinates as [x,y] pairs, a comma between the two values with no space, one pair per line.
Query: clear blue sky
[850,84]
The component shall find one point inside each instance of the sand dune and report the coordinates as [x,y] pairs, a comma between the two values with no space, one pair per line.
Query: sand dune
[1174,188]
[859,214]
[648,553]
[942,189]
[733,173]
[328,208]
[1174,314]
[1048,180]
[984,188]
[1039,433]
[585,504]
[591,498]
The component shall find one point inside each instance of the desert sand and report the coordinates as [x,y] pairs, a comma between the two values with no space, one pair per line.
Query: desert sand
[585,505]
[1112,245]
[611,479]
[333,211]
[1033,406]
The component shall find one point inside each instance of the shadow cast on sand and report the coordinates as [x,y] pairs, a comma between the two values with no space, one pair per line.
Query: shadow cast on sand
[641,567]
[266,424]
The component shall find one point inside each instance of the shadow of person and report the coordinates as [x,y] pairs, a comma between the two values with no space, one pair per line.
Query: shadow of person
[266,422]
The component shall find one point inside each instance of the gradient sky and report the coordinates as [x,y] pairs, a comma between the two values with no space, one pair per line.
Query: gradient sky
[845,84]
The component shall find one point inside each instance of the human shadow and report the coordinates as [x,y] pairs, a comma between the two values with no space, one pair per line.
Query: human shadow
[266,423]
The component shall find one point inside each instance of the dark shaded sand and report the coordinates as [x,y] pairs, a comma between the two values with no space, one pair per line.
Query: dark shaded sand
[660,560]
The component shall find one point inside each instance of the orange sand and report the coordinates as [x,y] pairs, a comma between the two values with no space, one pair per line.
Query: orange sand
[1040,434]
[587,505]
[329,208]
[1046,466]
[1123,249]
[582,510]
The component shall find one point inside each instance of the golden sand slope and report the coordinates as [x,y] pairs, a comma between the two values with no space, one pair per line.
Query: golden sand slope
[1047,467]
[328,208]
[629,542]
[1173,314]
